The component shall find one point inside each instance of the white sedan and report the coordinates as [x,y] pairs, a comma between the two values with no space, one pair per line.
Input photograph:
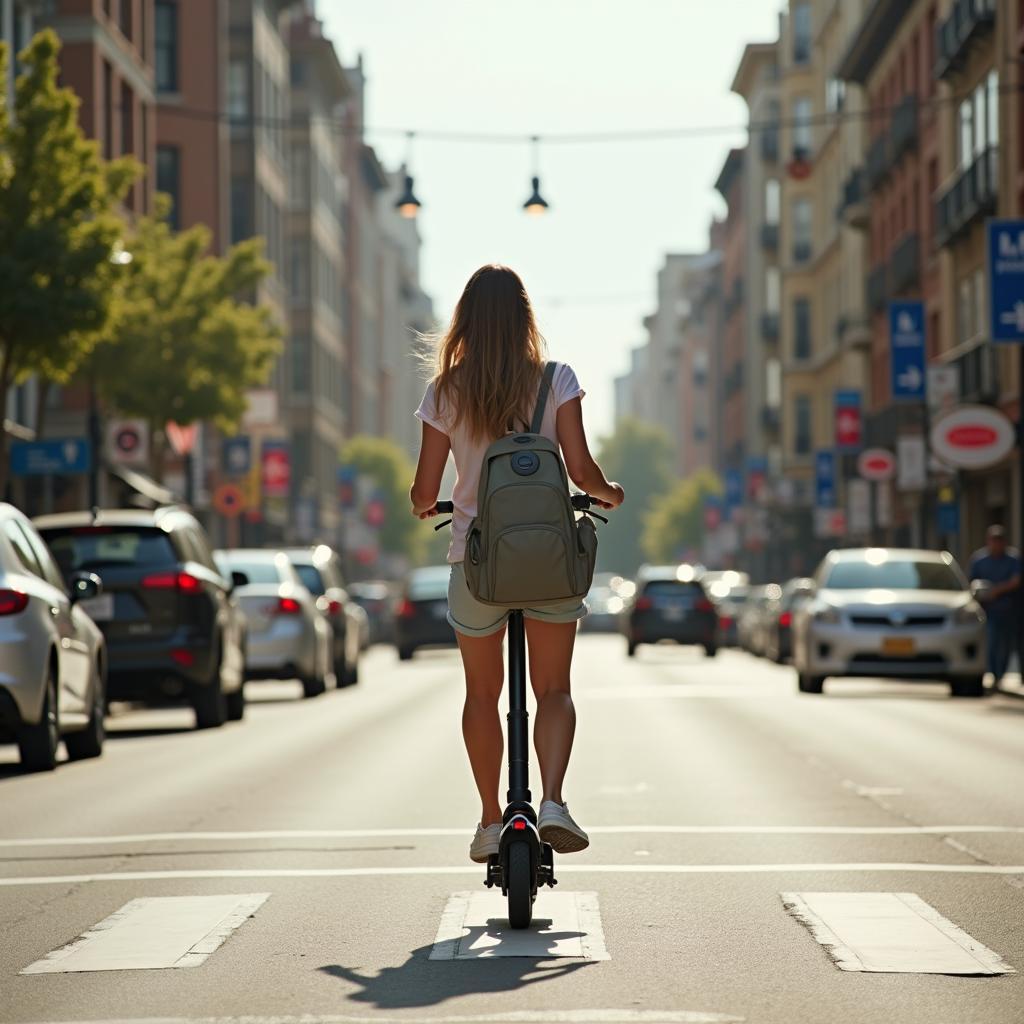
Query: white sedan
[891,612]
[52,655]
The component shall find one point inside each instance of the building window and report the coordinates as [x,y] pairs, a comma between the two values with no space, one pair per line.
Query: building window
[801,328]
[241,210]
[166,46]
[835,95]
[299,72]
[772,200]
[801,33]
[300,346]
[772,290]
[127,120]
[992,90]
[802,126]
[125,22]
[168,180]
[108,111]
[802,435]
[802,230]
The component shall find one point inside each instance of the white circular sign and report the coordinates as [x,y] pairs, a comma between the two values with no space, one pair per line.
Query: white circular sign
[876,464]
[972,437]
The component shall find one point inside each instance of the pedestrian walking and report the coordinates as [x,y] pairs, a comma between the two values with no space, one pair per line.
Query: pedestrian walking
[999,567]
[489,372]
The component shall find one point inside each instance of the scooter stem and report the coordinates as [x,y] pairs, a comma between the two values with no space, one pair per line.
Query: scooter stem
[518,716]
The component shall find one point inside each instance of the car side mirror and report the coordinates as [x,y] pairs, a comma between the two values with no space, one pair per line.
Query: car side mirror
[238,579]
[85,585]
[980,589]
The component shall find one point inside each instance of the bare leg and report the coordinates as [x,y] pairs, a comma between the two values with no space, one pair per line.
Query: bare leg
[550,646]
[481,724]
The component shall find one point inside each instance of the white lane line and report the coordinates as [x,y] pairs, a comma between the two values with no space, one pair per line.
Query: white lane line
[513,1017]
[856,867]
[890,933]
[475,926]
[153,933]
[606,830]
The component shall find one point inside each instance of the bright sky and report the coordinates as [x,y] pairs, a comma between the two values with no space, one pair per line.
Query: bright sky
[558,66]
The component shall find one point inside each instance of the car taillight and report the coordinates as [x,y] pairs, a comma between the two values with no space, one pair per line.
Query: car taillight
[288,606]
[334,607]
[786,619]
[725,621]
[406,609]
[702,604]
[183,657]
[644,604]
[12,602]
[183,581]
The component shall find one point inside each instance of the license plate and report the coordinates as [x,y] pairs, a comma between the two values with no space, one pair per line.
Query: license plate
[673,613]
[900,646]
[99,609]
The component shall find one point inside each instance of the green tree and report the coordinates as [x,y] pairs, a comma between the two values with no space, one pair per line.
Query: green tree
[676,519]
[59,228]
[182,346]
[391,470]
[639,457]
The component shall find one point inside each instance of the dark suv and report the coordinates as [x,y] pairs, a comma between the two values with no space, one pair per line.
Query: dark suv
[173,631]
[670,604]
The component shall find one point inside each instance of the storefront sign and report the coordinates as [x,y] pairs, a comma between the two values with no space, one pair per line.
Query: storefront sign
[849,421]
[972,437]
[276,463]
[876,464]
[943,388]
[911,473]
[1006,279]
[858,506]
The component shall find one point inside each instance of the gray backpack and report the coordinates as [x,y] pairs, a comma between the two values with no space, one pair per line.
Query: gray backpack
[525,547]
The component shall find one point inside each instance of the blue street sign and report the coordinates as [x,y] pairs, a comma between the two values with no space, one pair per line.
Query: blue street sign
[1006,279]
[45,458]
[733,490]
[948,515]
[906,336]
[237,455]
[824,479]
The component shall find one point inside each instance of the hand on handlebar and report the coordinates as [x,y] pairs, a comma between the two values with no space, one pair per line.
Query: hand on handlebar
[440,508]
[619,496]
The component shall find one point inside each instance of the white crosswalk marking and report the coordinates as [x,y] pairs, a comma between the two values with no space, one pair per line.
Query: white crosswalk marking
[152,933]
[890,932]
[475,926]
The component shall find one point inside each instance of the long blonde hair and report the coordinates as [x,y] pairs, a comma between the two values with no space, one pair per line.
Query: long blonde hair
[490,360]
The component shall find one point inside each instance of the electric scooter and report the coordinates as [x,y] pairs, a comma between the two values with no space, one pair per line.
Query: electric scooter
[523,862]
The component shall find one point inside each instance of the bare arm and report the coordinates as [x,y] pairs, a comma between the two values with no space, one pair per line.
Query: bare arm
[426,485]
[584,472]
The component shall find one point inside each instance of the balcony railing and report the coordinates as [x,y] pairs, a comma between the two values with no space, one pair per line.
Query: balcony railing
[905,266]
[878,289]
[770,326]
[972,197]
[978,374]
[771,418]
[903,133]
[802,252]
[853,208]
[770,237]
[878,162]
[852,330]
[967,20]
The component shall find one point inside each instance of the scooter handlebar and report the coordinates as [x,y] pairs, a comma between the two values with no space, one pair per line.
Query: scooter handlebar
[445,507]
[581,502]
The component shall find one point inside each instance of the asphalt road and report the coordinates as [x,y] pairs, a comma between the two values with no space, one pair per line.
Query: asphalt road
[710,788]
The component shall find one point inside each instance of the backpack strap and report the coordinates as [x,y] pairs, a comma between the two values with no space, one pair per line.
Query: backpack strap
[542,396]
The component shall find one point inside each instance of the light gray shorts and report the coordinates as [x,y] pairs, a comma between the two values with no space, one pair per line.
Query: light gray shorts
[471,617]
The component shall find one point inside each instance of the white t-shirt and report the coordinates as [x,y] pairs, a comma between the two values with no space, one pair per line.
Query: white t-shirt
[469,451]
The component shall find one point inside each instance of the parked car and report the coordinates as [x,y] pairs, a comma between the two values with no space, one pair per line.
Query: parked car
[377,599]
[319,568]
[891,612]
[174,633]
[778,620]
[752,628]
[670,603]
[604,604]
[286,635]
[52,655]
[730,607]
[421,616]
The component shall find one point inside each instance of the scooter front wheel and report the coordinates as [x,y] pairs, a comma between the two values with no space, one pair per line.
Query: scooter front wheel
[519,886]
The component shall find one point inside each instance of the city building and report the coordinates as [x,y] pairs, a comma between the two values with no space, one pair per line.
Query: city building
[632,389]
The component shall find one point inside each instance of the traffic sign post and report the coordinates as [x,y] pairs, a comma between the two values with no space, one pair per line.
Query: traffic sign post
[50,458]
[907,352]
[1005,251]
[849,422]
[825,479]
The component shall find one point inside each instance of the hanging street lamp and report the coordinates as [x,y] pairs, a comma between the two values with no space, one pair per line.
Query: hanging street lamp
[536,204]
[407,204]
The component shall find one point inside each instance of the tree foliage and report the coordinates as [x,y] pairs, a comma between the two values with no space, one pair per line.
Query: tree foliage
[639,457]
[391,470]
[182,346]
[58,227]
[675,522]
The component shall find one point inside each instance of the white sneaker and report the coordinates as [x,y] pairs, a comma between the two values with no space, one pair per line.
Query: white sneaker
[556,827]
[485,843]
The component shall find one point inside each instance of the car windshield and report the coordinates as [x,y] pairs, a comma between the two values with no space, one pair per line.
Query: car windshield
[98,547]
[673,588]
[428,584]
[255,571]
[311,579]
[893,574]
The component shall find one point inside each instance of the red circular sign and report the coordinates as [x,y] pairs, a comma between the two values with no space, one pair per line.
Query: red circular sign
[877,464]
[972,437]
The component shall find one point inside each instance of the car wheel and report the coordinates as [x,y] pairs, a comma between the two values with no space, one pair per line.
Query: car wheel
[631,647]
[89,742]
[313,686]
[348,674]
[710,650]
[807,683]
[967,686]
[37,744]
[405,653]
[235,704]
[208,701]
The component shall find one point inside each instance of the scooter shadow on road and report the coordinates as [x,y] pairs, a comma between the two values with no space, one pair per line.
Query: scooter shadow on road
[424,982]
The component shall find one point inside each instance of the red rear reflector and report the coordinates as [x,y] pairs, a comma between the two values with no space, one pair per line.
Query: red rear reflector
[519,825]
[785,619]
[186,659]
[288,606]
[644,604]
[725,621]
[189,583]
[704,605]
[333,607]
[12,602]
[406,609]
[182,581]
